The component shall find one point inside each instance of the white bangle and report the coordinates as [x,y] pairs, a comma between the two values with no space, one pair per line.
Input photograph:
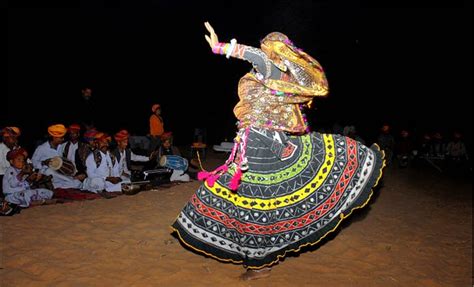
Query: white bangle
[233,43]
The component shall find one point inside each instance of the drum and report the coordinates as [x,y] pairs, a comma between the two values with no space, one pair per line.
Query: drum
[174,162]
[63,166]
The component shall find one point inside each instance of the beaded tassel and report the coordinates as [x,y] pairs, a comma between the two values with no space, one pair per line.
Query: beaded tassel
[236,178]
[213,176]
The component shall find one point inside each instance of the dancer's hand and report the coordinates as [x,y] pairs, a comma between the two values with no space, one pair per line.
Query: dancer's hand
[212,38]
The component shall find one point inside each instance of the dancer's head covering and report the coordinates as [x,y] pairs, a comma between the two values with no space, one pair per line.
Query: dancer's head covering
[308,73]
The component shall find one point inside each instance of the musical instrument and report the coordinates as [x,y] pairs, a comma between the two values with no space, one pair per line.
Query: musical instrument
[174,162]
[130,188]
[62,165]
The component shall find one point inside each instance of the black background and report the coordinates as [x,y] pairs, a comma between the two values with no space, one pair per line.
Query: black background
[405,64]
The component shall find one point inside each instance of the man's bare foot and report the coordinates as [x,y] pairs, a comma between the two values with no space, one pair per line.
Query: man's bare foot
[255,274]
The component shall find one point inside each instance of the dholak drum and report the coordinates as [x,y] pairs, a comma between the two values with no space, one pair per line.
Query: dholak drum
[63,166]
[174,162]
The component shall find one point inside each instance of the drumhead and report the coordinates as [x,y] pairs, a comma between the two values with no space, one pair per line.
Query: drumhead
[55,163]
[163,160]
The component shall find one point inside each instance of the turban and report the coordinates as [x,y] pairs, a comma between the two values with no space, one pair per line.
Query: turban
[57,130]
[155,107]
[11,132]
[167,136]
[14,153]
[74,127]
[103,137]
[90,135]
[437,136]
[121,135]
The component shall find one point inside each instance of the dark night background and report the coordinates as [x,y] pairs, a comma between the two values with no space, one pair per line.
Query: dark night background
[405,64]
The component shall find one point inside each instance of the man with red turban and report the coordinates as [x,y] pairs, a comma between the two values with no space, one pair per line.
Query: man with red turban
[125,155]
[68,149]
[102,169]
[16,183]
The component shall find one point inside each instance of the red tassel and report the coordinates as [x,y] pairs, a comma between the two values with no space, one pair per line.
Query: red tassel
[235,181]
[212,179]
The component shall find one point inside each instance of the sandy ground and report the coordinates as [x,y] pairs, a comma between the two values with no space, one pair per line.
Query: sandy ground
[416,232]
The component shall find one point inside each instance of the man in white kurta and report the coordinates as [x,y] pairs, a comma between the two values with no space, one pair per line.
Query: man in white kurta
[102,169]
[125,155]
[48,150]
[68,149]
[10,141]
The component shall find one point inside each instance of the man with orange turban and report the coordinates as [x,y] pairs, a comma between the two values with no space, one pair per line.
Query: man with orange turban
[50,149]
[11,132]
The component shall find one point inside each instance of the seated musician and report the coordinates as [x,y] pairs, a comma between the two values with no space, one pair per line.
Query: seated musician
[166,149]
[102,169]
[17,179]
[125,155]
[45,152]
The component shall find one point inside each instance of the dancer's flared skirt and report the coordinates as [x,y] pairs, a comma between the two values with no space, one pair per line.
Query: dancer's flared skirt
[282,204]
